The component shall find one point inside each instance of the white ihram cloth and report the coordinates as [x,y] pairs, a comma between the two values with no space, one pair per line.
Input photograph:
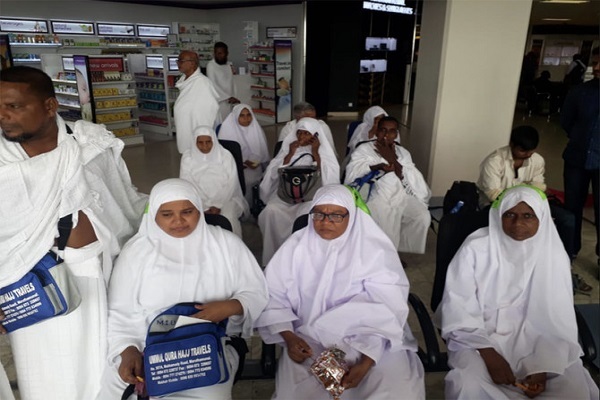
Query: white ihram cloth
[155,271]
[196,105]
[215,176]
[361,133]
[253,142]
[277,219]
[399,207]
[350,292]
[5,389]
[222,78]
[290,128]
[514,296]
[75,176]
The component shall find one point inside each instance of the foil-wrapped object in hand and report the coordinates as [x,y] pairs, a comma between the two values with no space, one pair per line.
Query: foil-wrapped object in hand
[329,368]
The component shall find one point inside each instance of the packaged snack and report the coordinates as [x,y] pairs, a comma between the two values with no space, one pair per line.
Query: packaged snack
[329,368]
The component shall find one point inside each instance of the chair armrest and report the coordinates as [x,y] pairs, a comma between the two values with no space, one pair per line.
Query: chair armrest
[433,360]
[586,339]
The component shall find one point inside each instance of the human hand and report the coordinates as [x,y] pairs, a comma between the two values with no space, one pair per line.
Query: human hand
[2,329]
[497,367]
[315,143]
[131,365]
[233,100]
[217,311]
[387,152]
[535,384]
[251,164]
[212,210]
[298,349]
[357,372]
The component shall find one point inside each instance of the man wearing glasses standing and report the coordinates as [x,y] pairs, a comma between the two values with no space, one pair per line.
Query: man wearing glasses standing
[399,196]
[196,104]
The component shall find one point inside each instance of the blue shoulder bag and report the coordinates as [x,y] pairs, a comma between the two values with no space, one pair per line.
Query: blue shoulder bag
[182,357]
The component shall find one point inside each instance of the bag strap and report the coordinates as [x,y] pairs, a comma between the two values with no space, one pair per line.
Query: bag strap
[69,130]
[65,225]
[298,159]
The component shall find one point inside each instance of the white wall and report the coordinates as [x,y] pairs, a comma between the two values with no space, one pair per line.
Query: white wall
[470,112]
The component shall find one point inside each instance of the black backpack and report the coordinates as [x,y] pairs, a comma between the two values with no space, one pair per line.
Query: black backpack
[461,191]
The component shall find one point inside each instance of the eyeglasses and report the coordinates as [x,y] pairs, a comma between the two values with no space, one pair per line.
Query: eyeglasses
[182,61]
[335,218]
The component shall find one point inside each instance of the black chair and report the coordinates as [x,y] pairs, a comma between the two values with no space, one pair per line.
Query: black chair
[277,148]
[217,129]
[218,220]
[351,128]
[236,150]
[300,222]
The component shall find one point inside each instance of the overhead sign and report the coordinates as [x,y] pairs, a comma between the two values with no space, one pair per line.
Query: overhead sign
[116,29]
[23,25]
[393,6]
[106,64]
[153,30]
[73,27]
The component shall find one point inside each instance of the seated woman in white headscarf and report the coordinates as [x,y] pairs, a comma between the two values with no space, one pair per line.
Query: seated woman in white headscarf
[399,197]
[212,169]
[507,312]
[339,283]
[367,129]
[277,219]
[175,258]
[241,126]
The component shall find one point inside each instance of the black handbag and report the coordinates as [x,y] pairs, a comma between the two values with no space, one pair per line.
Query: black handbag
[298,184]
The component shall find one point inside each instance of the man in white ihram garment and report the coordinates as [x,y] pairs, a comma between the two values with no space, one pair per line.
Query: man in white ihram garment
[48,171]
[302,149]
[507,312]
[220,72]
[196,104]
[399,197]
[302,110]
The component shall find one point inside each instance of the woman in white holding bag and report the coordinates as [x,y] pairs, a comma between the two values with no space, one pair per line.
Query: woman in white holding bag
[302,149]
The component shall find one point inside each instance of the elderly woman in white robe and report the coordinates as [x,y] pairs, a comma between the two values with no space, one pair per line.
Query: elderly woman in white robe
[339,282]
[367,129]
[175,258]
[400,195]
[211,168]
[241,126]
[507,312]
[277,219]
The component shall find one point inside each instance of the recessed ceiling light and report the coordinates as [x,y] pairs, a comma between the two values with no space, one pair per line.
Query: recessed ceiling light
[565,1]
[556,19]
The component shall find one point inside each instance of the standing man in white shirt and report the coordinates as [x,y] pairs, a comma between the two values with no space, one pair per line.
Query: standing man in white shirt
[196,104]
[220,72]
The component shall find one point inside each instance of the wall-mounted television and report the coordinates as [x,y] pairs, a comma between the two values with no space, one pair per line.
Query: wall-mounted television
[380,44]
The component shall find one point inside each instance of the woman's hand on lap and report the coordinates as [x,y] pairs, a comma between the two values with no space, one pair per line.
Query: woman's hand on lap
[497,367]
[298,349]
[357,372]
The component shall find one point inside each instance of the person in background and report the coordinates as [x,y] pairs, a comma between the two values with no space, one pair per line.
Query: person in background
[197,103]
[220,72]
[580,118]
[241,126]
[212,169]
[400,195]
[301,110]
[49,170]
[576,71]
[339,283]
[176,257]
[507,312]
[518,163]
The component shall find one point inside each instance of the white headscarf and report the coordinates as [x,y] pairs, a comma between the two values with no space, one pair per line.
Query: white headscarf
[330,168]
[362,130]
[214,174]
[251,138]
[349,290]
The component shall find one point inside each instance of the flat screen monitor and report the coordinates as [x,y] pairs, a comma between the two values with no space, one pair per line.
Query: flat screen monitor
[380,44]
[68,64]
[173,64]
[154,62]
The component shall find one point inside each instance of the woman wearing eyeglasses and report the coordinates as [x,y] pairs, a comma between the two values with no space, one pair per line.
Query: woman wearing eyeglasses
[339,282]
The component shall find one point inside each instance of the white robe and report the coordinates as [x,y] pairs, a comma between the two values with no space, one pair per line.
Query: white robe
[5,389]
[215,176]
[253,142]
[290,128]
[222,78]
[277,219]
[196,105]
[516,297]
[156,271]
[399,207]
[70,178]
[350,292]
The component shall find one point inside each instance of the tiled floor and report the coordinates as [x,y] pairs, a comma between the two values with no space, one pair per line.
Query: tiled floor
[159,159]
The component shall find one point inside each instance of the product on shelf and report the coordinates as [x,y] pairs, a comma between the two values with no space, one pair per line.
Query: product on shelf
[132,130]
[112,117]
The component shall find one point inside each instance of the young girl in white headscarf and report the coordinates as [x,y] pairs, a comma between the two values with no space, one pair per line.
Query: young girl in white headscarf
[241,126]
[174,258]
[339,282]
[276,220]
[211,168]
[507,312]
